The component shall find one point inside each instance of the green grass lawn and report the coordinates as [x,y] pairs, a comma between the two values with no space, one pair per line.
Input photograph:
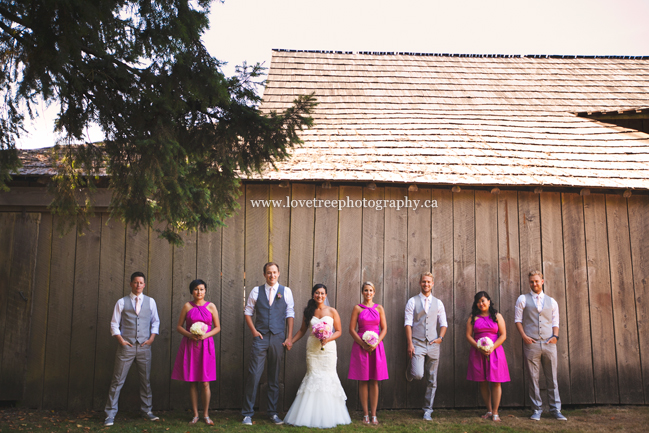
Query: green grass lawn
[587,419]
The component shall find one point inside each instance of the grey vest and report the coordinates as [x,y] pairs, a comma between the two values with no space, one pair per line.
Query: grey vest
[424,326]
[537,325]
[270,317]
[134,328]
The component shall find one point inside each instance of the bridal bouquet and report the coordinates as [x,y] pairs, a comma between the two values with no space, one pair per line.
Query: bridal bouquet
[198,328]
[322,331]
[371,338]
[485,343]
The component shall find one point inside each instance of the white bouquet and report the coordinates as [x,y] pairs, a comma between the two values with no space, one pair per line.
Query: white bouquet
[485,343]
[371,338]
[198,328]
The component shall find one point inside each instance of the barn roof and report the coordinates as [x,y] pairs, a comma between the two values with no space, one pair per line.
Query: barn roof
[449,119]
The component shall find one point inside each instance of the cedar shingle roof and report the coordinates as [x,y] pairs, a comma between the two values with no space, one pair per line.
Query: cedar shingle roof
[479,120]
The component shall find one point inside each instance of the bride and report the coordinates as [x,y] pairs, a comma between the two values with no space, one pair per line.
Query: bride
[320,400]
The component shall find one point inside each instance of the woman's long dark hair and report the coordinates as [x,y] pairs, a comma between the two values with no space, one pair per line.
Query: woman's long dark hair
[475,311]
[309,311]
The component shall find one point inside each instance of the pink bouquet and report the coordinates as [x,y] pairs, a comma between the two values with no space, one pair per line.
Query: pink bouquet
[198,328]
[485,343]
[322,331]
[371,338]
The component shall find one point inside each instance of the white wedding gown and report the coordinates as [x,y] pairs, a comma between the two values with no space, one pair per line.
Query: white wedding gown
[320,400]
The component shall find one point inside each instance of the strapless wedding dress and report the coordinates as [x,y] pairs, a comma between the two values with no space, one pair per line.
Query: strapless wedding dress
[320,400]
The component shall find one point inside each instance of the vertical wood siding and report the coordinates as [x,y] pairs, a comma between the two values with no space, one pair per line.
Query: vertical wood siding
[56,350]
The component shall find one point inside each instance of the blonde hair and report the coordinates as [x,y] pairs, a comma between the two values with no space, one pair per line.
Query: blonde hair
[426,274]
[534,273]
[368,283]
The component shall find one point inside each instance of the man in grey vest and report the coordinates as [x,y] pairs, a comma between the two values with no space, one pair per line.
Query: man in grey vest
[537,318]
[423,313]
[274,308]
[134,324]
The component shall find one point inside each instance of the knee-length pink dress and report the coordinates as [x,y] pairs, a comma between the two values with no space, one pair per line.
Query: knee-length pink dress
[196,361]
[365,365]
[492,368]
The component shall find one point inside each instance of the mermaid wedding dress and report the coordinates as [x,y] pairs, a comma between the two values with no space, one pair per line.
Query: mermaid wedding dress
[320,400]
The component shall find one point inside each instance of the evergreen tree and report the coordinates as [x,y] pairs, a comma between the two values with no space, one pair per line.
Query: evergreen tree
[179,134]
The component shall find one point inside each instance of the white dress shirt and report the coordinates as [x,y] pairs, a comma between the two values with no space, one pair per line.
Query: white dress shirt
[119,307]
[538,299]
[270,291]
[410,309]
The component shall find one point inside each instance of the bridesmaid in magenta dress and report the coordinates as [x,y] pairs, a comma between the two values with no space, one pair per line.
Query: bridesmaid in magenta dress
[487,366]
[367,363]
[196,358]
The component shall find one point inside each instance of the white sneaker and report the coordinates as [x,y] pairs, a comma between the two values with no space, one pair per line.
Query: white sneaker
[247,420]
[428,415]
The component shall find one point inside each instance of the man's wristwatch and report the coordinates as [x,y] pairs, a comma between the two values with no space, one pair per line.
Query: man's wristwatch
[555,336]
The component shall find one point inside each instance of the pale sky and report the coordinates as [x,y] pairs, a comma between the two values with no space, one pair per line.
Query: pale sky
[247,30]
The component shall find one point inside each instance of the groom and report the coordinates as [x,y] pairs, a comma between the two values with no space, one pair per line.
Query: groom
[273,305]
[423,313]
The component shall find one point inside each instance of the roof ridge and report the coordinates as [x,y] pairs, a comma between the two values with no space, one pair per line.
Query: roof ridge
[406,53]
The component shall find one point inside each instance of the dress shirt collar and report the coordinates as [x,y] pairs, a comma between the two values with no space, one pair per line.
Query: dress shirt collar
[274,287]
[424,297]
[133,296]
[540,296]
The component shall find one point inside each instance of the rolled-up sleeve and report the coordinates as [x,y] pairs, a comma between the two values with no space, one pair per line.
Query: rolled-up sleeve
[290,303]
[555,314]
[518,309]
[155,319]
[410,308]
[249,310]
[441,314]
[116,319]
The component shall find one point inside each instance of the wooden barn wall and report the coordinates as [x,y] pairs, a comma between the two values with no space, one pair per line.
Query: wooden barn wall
[58,292]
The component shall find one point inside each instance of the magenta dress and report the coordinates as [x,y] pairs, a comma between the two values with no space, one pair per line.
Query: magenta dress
[196,361]
[492,368]
[362,364]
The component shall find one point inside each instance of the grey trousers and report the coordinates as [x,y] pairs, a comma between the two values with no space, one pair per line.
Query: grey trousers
[426,358]
[537,356]
[123,359]
[270,347]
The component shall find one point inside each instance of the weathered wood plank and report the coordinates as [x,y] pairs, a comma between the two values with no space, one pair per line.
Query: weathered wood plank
[325,248]
[18,306]
[529,229]
[36,361]
[7,221]
[84,317]
[601,308]
[629,370]
[582,389]
[372,254]
[639,235]
[464,260]
[159,287]
[256,255]
[486,244]
[184,272]
[208,269]
[136,259]
[442,269]
[300,280]
[395,283]
[510,289]
[555,285]
[279,225]
[233,296]
[419,261]
[111,288]
[57,352]
[348,282]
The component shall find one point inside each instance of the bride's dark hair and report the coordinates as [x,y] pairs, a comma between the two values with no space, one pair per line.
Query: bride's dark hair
[309,311]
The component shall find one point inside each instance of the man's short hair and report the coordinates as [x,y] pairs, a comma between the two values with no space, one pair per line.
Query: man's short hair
[270,264]
[137,274]
[534,273]
[426,274]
